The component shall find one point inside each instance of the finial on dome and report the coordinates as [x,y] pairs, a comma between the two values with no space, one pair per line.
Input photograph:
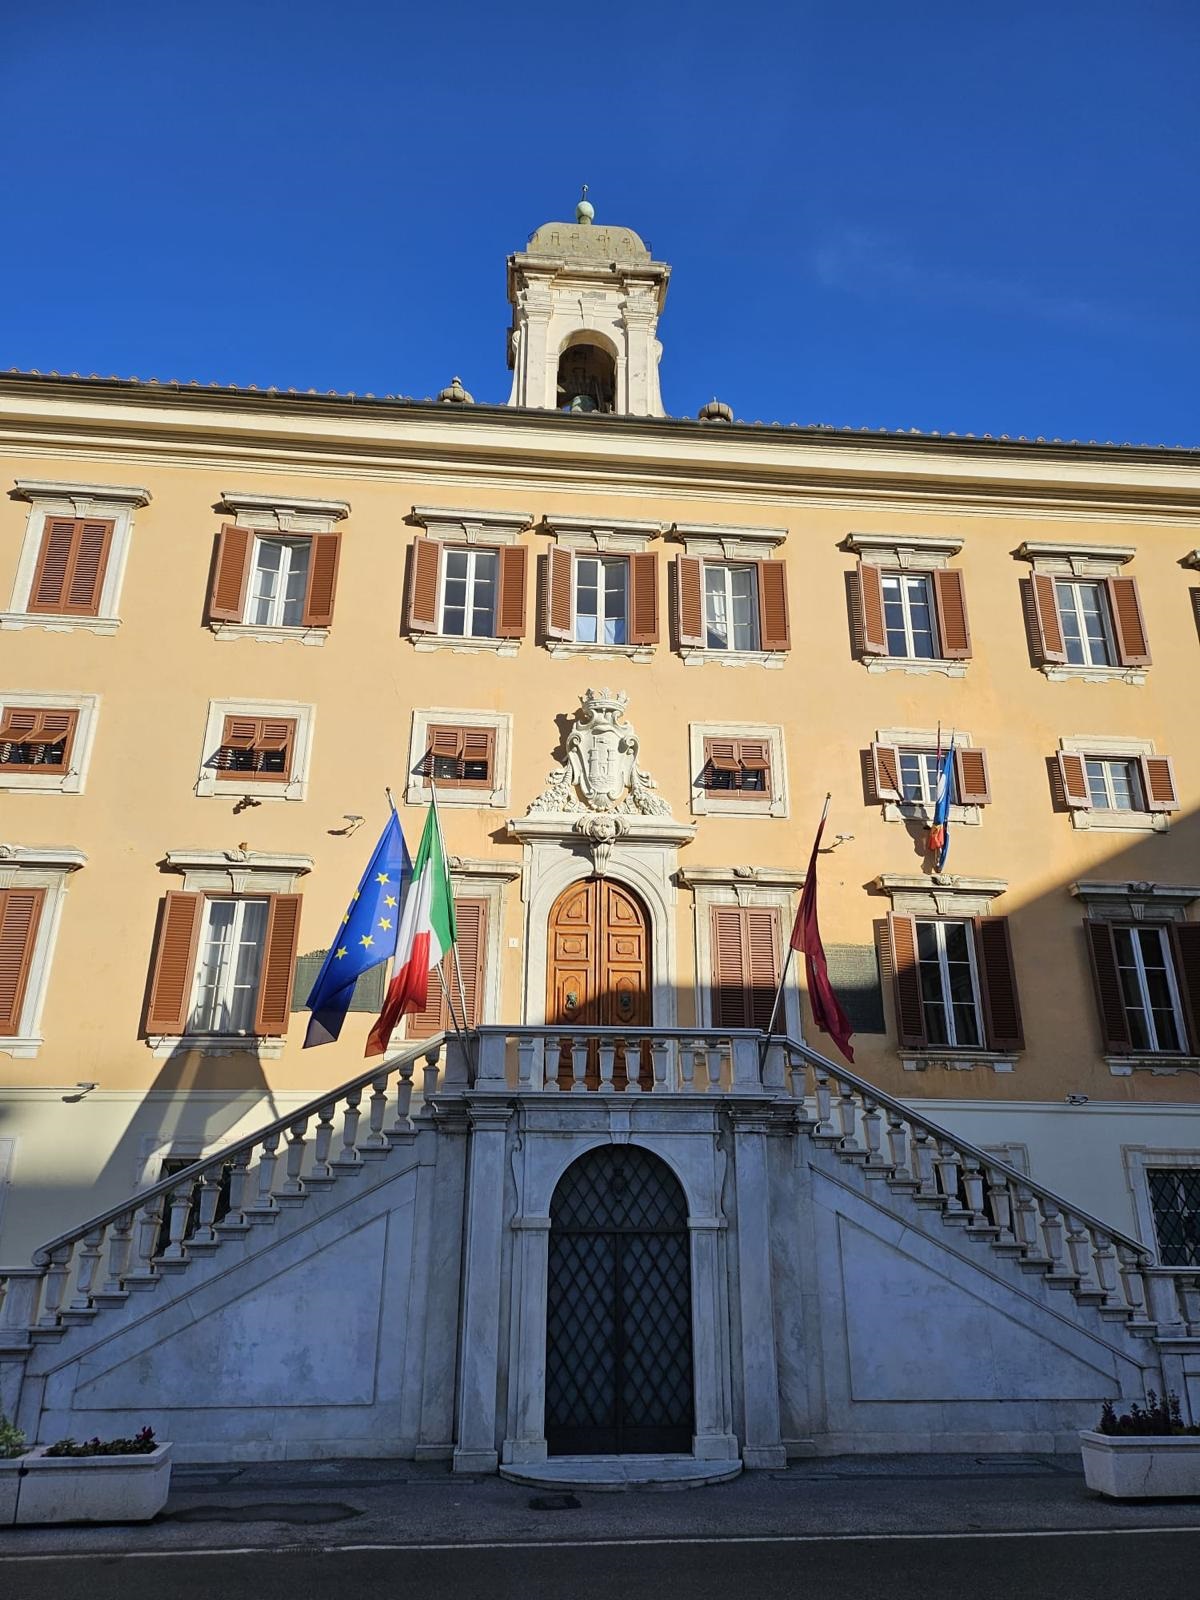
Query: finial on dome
[585,211]
[715,411]
[455,394]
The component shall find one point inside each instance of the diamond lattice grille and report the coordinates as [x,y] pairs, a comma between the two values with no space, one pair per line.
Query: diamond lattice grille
[1175,1199]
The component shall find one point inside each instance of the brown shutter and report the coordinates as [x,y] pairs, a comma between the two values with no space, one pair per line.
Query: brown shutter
[762,964]
[20,911]
[478,744]
[471,918]
[1074,779]
[729,975]
[446,743]
[870,610]
[953,629]
[1185,943]
[54,560]
[423,571]
[19,724]
[998,980]
[689,602]
[1158,782]
[722,754]
[906,981]
[510,601]
[322,580]
[278,964]
[559,606]
[885,771]
[1128,627]
[773,632]
[174,965]
[87,571]
[70,569]
[754,755]
[1114,1024]
[433,1017]
[231,571]
[1048,643]
[971,777]
[643,597]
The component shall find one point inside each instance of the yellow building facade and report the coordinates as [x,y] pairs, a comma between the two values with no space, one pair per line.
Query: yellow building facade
[234,619]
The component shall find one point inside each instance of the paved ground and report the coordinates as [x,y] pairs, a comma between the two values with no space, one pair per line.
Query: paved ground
[901,1526]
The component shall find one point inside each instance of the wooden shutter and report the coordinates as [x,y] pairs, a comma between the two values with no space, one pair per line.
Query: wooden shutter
[323,558]
[773,632]
[954,630]
[471,917]
[1185,945]
[278,964]
[971,777]
[643,597]
[21,725]
[1074,779]
[20,912]
[906,981]
[762,963]
[174,966]
[998,981]
[1048,641]
[423,572]
[559,598]
[745,966]
[70,569]
[754,755]
[1158,783]
[231,573]
[885,772]
[510,592]
[478,744]
[870,610]
[1129,629]
[1114,1023]
[444,744]
[689,601]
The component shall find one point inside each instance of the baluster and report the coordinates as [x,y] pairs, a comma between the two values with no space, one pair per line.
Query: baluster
[264,1207]
[429,1076]
[872,1126]
[120,1242]
[146,1231]
[923,1151]
[607,1053]
[897,1136]
[239,1178]
[848,1118]
[376,1139]
[179,1209]
[1080,1253]
[824,1098]
[1052,1233]
[635,1050]
[552,1062]
[292,1188]
[1026,1224]
[404,1091]
[85,1273]
[19,1308]
[949,1163]
[579,1055]
[209,1187]
[664,1078]
[55,1286]
[1189,1303]
[972,1183]
[1105,1258]
[1134,1284]
[526,1060]
[322,1173]
[1000,1204]
[688,1049]
[348,1159]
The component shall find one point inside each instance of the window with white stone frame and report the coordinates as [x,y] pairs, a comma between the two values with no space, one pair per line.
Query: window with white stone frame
[73,556]
[908,605]
[1083,613]
[1144,953]
[909,616]
[469,580]
[949,983]
[278,582]
[228,966]
[1149,987]
[33,890]
[601,599]
[1086,629]
[730,606]
[1115,783]
[1165,1187]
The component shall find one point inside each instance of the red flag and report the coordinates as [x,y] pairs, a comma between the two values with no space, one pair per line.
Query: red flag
[827,1012]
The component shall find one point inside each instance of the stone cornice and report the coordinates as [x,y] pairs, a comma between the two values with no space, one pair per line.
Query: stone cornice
[742,877]
[35,489]
[59,858]
[240,860]
[235,500]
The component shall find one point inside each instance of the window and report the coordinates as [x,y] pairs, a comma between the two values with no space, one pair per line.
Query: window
[730,607]
[1113,785]
[601,599]
[1087,637]
[71,564]
[1147,984]
[919,773]
[469,593]
[471,917]
[909,616]
[738,767]
[1087,619]
[225,989]
[954,983]
[271,581]
[223,965]
[36,741]
[73,555]
[1175,1204]
[907,775]
[257,746]
[463,758]
[949,983]
[1117,783]
[279,582]
[745,965]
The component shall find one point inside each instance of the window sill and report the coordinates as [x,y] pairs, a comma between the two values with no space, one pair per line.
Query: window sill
[419,794]
[697,656]
[705,804]
[1059,672]
[1120,821]
[600,652]
[209,789]
[1160,1066]
[961,1061]
[58,624]
[200,1044]
[922,811]
[21,1047]
[918,668]
[261,635]
[463,645]
[40,783]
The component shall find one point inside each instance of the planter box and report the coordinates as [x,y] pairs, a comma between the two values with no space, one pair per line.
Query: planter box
[40,1488]
[1151,1467]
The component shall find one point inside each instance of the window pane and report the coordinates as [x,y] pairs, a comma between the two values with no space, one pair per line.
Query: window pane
[1072,631]
[586,599]
[1092,608]
[921,617]
[893,616]
[716,610]
[243,991]
[213,960]
[483,604]
[615,573]
[1121,776]
[1097,788]
[1175,1201]
[911,775]
[264,583]
[296,562]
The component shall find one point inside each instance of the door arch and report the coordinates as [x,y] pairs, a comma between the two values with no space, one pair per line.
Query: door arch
[618,1308]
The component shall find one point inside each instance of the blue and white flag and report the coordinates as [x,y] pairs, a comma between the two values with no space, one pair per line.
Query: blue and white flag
[365,937]
[939,833]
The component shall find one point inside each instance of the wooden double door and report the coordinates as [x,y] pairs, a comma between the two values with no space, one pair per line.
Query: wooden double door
[598,972]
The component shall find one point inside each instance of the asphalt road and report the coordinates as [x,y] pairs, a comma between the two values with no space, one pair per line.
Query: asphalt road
[1118,1566]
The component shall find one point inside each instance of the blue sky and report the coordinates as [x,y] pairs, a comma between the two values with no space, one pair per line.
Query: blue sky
[938,216]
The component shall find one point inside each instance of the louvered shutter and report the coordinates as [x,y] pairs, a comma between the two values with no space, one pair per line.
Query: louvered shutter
[478,746]
[998,980]
[885,772]
[773,632]
[870,610]
[720,755]
[82,597]
[54,562]
[174,967]
[423,572]
[1185,945]
[1048,640]
[1158,783]
[445,744]
[433,1017]
[971,777]
[20,912]
[906,981]
[18,723]
[1114,1023]
[954,630]
[1129,629]
[754,755]
[643,597]
[231,573]
[762,964]
[471,918]
[510,604]
[729,975]
[1074,779]
[278,964]
[559,598]
[689,600]
[323,558]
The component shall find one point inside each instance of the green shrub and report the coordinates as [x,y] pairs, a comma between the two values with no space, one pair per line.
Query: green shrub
[140,1445]
[12,1440]
[1157,1417]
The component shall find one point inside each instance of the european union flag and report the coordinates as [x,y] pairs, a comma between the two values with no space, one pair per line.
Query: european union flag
[365,937]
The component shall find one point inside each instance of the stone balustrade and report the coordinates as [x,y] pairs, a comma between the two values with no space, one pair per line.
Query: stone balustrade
[563,1060]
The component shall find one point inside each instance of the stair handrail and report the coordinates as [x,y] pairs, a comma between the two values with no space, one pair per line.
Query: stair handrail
[964,1146]
[429,1048]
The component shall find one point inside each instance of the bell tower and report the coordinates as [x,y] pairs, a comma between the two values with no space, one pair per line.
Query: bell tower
[585,306]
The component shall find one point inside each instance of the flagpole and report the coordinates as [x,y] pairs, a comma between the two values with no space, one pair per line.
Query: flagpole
[791,950]
[462,1030]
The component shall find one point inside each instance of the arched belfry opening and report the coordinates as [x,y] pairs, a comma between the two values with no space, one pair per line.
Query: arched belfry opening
[587,378]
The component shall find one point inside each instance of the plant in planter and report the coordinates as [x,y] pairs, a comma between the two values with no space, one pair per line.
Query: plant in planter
[141,1444]
[12,1440]
[100,1480]
[1145,1453]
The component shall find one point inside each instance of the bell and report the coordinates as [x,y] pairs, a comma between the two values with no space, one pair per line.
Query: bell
[582,402]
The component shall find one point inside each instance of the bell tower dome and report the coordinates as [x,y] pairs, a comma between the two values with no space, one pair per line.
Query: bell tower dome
[585,306]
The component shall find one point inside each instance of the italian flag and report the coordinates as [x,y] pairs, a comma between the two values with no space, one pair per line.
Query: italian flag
[425,934]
